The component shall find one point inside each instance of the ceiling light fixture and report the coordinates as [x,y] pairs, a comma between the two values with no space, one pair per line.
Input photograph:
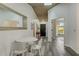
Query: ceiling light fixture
[47,4]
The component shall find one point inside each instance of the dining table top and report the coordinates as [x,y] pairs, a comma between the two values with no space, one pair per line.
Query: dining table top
[27,39]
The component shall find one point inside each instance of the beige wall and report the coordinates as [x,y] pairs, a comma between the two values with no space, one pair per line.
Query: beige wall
[6,37]
[77,27]
[70,12]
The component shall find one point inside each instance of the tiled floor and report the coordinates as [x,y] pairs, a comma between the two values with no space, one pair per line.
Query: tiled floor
[54,48]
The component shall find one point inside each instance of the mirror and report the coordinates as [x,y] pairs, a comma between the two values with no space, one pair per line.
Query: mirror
[12,20]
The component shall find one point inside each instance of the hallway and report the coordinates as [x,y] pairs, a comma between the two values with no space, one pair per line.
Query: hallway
[22,24]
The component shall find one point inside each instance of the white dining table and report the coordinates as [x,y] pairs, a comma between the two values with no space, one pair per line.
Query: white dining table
[27,39]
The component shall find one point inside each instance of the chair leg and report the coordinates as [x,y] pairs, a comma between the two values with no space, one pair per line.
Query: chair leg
[26,53]
[39,52]
[34,52]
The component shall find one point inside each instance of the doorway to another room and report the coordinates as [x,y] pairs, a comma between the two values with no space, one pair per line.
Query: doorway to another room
[58,28]
[58,36]
[43,30]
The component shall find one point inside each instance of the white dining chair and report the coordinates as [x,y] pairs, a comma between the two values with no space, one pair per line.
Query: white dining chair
[19,49]
[37,47]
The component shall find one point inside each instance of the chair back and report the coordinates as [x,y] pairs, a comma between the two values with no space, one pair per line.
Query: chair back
[18,46]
